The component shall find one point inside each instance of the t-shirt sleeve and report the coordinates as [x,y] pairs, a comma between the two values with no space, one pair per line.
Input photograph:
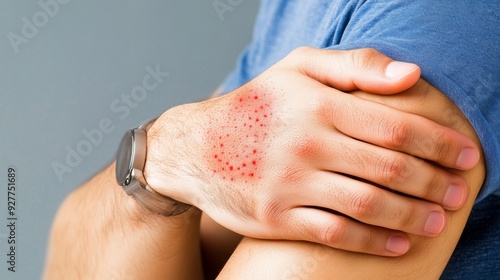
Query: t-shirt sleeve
[457,46]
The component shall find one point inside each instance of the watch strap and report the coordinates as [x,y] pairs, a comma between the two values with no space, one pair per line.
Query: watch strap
[156,202]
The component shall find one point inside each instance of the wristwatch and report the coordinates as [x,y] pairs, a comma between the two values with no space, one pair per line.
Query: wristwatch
[130,161]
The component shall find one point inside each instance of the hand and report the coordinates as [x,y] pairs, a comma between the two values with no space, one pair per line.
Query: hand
[287,156]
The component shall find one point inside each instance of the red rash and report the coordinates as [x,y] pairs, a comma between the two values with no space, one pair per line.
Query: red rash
[237,138]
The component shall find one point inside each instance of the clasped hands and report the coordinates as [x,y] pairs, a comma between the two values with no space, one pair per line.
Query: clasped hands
[295,155]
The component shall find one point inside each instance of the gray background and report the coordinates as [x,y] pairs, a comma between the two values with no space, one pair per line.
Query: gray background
[63,80]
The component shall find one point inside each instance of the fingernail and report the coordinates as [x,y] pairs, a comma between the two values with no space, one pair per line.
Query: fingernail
[397,70]
[397,244]
[468,158]
[454,196]
[435,223]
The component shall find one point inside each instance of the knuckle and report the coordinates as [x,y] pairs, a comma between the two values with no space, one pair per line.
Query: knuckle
[369,242]
[318,103]
[397,133]
[393,170]
[272,212]
[406,218]
[305,146]
[363,58]
[443,147]
[364,204]
[335,233]
[301,59]
[433,187]
[324,109]
[301,51]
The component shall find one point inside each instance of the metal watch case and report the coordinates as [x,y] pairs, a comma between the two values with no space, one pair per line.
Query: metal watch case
[130,162]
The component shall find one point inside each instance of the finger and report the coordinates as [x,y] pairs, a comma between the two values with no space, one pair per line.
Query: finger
[390,128]
[336,231]
[375,206]
[364,69]
[397,171]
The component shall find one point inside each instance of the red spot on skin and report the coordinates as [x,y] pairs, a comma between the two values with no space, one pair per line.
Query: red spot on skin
[244,142]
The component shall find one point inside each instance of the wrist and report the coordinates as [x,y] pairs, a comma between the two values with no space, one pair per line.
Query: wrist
[133,213]
[130,163]
[171,167]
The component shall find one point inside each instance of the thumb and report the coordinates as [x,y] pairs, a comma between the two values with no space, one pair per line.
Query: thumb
[360,69]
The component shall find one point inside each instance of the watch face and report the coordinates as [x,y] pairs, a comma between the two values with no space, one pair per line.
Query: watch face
[124,159]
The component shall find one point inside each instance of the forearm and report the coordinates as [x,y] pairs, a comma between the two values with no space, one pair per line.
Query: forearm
[101,233]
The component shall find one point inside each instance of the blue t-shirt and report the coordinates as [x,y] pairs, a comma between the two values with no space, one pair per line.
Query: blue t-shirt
[456,44]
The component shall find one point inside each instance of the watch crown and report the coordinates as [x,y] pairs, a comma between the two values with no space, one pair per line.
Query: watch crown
[127,180]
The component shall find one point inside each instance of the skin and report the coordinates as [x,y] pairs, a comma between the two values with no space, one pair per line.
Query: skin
[258,205]
[310,145]
[428,256]
[236,157]
[101,233]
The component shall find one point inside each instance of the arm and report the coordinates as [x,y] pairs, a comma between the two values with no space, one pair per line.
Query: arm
[102,233]
[428,256]
[232,155]
[185,143]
